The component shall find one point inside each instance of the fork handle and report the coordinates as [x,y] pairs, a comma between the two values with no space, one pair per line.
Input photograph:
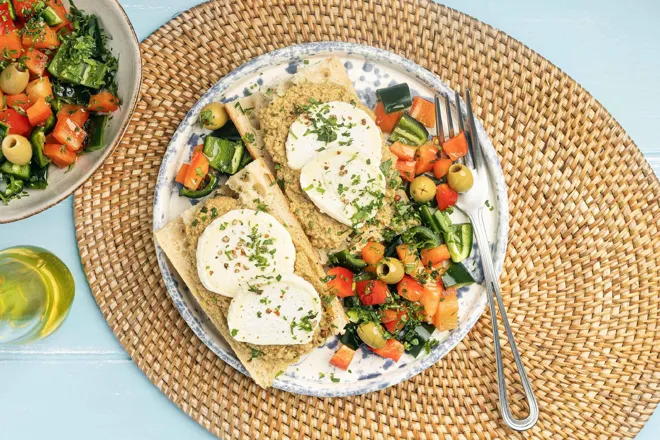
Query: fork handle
[493,290]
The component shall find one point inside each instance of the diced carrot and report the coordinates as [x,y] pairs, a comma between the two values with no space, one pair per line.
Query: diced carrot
[385,121]
[393,349]
[10,45]
[41,37]
[423,111]
[403,151]
[199,168]
[77,113]
[42,88]
[39,112]
[59,155]
[446,317]
[431,298]
[373,252]
[441,167]
[406,169]
[343,357]
[408,257]
[426,156]
[456,147]
[35,60]
[434,256]
[409,288]
[104,102]
[20,101]
[68,133]
[181,175]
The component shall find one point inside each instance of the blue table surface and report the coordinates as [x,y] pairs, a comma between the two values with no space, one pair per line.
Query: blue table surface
[80,382]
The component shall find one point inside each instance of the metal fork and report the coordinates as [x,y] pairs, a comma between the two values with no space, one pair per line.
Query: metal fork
[472,203]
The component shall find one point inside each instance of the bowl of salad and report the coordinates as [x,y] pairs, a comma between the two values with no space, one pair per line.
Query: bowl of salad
[65,96]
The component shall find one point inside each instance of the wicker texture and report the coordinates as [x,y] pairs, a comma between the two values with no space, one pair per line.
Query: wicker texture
[581,279]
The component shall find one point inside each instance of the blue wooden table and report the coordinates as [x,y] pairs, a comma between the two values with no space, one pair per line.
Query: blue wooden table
[80,384]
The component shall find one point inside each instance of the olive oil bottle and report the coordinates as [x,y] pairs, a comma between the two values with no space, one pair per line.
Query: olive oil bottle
[36,292]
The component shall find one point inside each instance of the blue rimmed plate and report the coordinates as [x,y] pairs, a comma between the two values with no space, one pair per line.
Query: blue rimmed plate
[369,69]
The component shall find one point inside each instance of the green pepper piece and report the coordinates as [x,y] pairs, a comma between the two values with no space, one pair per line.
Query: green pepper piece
[14,187]
[19,171]
[421,237]
[429,220]
[97,125]
[347,260]
[365,276]
[409,131]
[39,177]
[38,140]
[49,125]
[457,276]
[395,98]
[212,181]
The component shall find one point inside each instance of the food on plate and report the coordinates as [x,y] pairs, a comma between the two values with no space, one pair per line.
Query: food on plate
[57,90]
[250,266]
[373,191]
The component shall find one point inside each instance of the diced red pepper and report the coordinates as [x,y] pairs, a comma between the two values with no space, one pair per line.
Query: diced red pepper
[393,349]
[423,111]
[25,8]
[68,133]
[59,155]
[394,320]
[181,175]
[39,112]
[409,288]
[341,283]
[18,123]
[199,168]
[10,45]
[77,113]
[406,169]
[18,102]
[373,252]
[41,37]
[385,121]
[104,102]
[6,23]
[343,357]
[372,292]
[456,147]
[35,60]
[403,151]
[61,12]
[426,156]
[445,196]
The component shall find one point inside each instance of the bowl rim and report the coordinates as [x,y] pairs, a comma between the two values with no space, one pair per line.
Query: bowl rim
[108,150]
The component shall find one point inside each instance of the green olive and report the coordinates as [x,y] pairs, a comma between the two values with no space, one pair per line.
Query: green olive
[460,178]
[213,116]
[422,189]
[390,270]
[371,334]
[17,149]
[14,79]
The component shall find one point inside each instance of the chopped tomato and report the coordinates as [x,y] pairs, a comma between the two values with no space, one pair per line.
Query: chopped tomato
[181,175]
[41,37]
[456,147]
[341,283]
[427,154]
[445,196]
[372,292]
[406,169]
[434,256]
[373,252]
[35,60]
[77,113]
[403,151]
[343,357]
[18,123]
[409,288]
[10,45]
[385,121]
[104,102]
[6,23]
[18,102]
[441,167]
[431,298]
[394,320]
[393,349]
[408,257]
[423,110]
[59,155]
[42,88]
[446,317]
[69,133]
[39,112]
[25,8]
[199,168]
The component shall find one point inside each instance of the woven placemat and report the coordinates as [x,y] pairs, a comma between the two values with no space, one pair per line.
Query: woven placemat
[581,278]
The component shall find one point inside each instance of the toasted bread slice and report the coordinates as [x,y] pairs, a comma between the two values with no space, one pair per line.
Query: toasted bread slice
[244,111]
[254,193]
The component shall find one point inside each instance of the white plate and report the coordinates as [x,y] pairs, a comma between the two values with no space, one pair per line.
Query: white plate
[369,69]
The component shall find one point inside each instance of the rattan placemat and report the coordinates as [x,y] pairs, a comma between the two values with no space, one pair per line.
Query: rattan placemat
[581,279]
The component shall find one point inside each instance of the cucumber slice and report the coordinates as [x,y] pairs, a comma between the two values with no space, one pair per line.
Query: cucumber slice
[20,171]
[50,17]
[350,337]
[224,155]
[96,132]
[457,276]
[39,177]
[459,242]
[395,98]
[409,131]
[417,338]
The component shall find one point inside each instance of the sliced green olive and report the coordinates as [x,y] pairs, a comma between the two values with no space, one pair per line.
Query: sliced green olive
[213,116]
[390,270]
[17,149]
[371,334]
[460,178]
[422,189]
